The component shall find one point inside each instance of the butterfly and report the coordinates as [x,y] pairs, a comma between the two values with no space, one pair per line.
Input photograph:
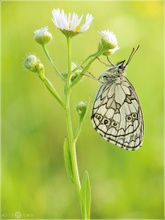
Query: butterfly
[116,113]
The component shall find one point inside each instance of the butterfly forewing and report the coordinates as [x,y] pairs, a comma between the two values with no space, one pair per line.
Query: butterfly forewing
[116,113]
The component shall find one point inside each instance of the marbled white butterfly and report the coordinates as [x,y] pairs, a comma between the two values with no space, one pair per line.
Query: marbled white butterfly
[117,114]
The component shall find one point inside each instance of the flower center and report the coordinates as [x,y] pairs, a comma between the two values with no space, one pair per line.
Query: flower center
[78,28]
[69,24]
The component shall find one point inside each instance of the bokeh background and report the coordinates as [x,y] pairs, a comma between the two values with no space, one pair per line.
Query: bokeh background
[34,181]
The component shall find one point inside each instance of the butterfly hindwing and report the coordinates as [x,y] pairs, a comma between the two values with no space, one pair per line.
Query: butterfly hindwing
[117,115]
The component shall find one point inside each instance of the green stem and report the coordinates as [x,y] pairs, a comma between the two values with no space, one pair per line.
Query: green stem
[85,69]
[51,61]
[96,55]
[90,56]
[52,90]
[72,143]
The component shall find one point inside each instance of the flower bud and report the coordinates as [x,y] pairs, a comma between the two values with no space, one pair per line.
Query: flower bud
[42,36]
[108,42]
[81,108]
[75,72]
[33,64]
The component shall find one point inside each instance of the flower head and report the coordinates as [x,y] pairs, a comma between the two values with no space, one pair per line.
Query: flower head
[33,64]
[109,42]
[42,36]
[70,24]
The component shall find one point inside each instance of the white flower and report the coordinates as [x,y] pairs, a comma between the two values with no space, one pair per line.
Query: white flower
[70,24]
[109,41]
[42,36]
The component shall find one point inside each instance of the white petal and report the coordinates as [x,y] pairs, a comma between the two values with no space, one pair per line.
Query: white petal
[89,19]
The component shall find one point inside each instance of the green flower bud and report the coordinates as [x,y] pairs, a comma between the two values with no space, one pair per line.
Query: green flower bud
[81,108]
[75,72]
[42,36]
[33,64]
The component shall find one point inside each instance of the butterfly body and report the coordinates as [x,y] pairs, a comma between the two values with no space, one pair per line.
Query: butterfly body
[116,113]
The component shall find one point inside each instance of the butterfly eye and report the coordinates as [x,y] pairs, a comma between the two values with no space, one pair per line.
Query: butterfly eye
[121,68]
[104,77]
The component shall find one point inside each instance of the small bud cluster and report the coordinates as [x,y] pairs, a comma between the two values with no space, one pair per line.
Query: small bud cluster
[33,64]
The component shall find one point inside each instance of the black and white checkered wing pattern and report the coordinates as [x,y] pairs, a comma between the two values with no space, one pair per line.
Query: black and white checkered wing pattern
[117,115]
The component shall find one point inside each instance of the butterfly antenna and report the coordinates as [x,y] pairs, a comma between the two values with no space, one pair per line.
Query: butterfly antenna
[131,55]
[104,63]
[110,61]
[90,75]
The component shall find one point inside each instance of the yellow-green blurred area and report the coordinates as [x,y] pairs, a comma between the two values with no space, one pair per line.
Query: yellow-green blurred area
[124,184]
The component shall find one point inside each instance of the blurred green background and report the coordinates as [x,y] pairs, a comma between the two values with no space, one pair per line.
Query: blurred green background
[34,182]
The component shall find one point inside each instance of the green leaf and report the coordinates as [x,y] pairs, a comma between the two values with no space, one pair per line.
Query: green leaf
[68,162]
[86,196]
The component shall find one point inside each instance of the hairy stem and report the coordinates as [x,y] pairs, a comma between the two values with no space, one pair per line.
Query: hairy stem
[72,142]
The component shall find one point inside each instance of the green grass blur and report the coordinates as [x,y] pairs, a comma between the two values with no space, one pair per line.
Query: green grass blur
[34,181]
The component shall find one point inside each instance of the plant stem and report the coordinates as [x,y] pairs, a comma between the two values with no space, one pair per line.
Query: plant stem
[85,69]
[51,61]
[52,90]
[71,141]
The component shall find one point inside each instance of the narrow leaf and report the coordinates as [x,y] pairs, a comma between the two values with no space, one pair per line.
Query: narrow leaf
[86,196]
[68,162]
